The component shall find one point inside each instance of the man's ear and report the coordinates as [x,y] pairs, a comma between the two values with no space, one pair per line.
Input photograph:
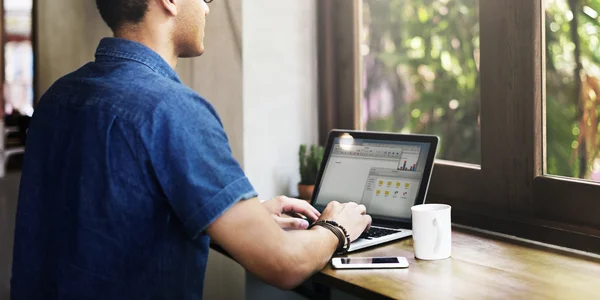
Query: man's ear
[170,6]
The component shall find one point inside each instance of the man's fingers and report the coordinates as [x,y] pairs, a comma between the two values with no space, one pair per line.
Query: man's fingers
[291,223]
[284,200]
[316,211]
[362,209]
[369,220]
[301,207]
[333,206]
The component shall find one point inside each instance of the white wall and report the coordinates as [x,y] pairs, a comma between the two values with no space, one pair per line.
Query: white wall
[280,101]
[280,91]
[68,33]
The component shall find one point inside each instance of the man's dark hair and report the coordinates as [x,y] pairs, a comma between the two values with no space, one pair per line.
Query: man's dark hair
[118,12]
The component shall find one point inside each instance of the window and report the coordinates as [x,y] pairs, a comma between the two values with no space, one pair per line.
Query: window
[17,78]
[572,88]
[18,57]
[420,66]
[530,122]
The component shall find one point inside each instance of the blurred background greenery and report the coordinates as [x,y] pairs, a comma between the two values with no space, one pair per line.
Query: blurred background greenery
[421,75]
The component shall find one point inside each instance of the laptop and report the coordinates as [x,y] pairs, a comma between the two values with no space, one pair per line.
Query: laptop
[386,172]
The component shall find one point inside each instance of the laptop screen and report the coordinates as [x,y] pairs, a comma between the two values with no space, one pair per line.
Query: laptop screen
[385,176]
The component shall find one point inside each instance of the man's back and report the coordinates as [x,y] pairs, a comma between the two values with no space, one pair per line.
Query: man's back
[109,207]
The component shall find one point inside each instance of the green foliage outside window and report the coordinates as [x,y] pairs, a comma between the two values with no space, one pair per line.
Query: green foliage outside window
[421,75]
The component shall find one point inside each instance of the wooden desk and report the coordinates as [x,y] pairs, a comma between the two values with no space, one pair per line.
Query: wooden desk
[481,267]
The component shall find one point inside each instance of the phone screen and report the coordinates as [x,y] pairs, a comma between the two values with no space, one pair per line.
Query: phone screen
[369,260]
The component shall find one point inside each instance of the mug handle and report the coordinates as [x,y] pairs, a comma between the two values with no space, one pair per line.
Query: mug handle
[438,238]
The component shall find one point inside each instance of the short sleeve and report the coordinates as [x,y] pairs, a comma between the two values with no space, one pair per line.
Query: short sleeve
[190,155]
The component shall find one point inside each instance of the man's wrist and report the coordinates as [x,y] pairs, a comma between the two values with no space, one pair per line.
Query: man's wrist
[339,231]
[328,236]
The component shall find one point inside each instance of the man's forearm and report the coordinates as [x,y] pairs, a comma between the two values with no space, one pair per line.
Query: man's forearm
[309,251]
[281,258]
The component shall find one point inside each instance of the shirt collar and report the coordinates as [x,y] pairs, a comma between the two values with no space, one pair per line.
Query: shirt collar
[117,49]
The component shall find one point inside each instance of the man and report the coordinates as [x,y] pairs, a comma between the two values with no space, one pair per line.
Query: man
[128,174]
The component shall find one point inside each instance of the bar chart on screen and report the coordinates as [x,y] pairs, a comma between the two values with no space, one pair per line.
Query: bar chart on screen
[409,159]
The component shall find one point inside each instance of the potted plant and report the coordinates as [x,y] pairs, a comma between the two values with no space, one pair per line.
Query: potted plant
[310,162]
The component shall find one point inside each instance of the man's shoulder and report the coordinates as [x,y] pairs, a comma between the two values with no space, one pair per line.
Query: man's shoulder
[131,91]
[123,79]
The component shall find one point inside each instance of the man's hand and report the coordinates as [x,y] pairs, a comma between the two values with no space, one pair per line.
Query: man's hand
[281,205]
[352,216]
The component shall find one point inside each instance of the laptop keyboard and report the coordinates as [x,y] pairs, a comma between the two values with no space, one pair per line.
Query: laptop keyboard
[376,232]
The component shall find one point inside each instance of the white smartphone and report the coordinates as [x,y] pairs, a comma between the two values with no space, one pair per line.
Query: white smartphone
[386,262]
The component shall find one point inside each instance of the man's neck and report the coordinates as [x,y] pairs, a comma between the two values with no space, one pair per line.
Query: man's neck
[151,39]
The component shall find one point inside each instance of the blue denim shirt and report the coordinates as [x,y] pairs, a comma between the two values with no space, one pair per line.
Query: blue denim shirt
[125,167]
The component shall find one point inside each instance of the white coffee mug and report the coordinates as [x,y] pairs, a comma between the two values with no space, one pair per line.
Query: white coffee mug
[432,232]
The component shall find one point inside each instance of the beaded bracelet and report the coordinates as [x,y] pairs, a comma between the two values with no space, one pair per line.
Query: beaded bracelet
[346,235]
[339,231]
